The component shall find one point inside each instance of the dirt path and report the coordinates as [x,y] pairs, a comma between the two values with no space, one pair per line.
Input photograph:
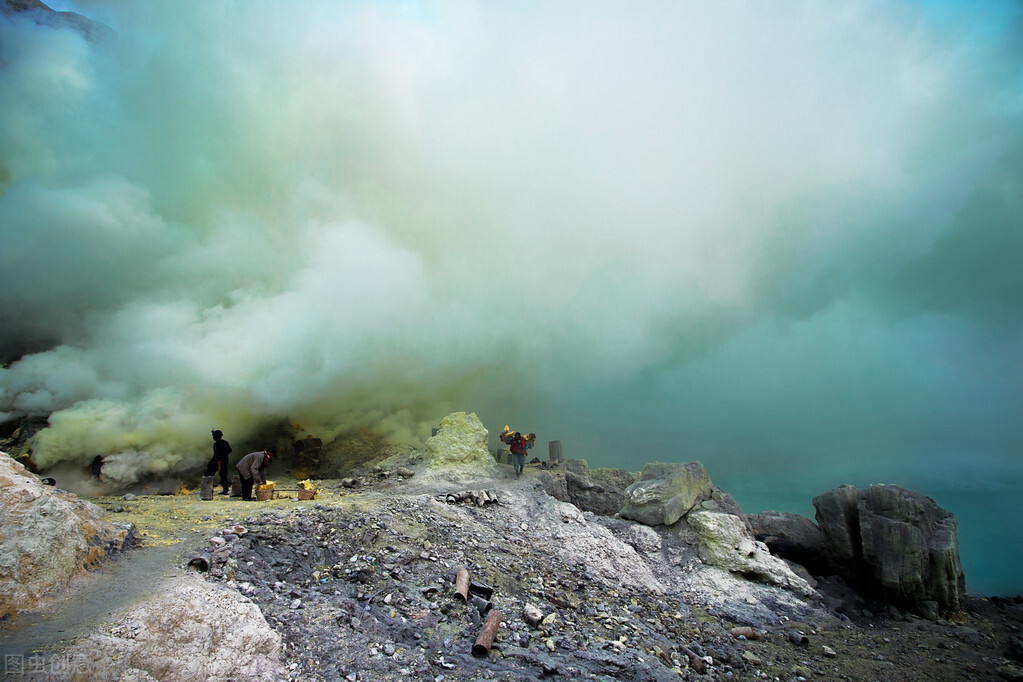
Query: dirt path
[167,528]
[92,598]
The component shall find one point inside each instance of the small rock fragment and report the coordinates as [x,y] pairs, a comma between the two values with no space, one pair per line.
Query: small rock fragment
[799,639]
[531,614]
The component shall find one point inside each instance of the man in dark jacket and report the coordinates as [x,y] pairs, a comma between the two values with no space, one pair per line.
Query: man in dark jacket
[252,468]
[221,449]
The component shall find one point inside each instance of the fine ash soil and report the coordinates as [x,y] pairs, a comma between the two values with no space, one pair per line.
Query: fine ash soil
[360,585]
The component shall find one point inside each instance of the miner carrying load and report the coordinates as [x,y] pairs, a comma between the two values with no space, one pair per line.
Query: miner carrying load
[252,468]
[519,444]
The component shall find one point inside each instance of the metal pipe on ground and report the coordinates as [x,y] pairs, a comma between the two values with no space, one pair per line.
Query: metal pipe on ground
[482,605]
[483,643]
[200,562]
[695,662]
[462,583]
[482,590]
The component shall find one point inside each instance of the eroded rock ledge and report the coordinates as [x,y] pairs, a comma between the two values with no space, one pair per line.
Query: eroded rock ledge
[47,538]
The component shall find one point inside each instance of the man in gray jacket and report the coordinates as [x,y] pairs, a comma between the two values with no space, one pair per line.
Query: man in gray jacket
[252,468]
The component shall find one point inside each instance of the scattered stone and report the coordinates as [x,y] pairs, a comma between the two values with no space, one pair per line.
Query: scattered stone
[473,497]
[828,651]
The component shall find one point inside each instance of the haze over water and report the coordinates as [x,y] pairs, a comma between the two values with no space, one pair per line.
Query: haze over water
[783,239]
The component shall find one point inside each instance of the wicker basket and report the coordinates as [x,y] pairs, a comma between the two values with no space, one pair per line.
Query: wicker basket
[265,493]
[307,494]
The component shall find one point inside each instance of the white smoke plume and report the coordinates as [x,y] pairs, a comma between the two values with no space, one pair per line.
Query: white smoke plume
[776,237]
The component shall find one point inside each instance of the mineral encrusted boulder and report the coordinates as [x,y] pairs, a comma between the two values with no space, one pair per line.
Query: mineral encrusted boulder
[665,492]
[461,441]
[895,542]
[47,537]
[726,542]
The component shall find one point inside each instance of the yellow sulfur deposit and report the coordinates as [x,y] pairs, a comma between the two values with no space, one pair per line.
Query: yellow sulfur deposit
[307,485]
[265,486]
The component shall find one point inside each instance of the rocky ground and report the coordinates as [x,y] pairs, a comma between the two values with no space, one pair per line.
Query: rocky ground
[360,585]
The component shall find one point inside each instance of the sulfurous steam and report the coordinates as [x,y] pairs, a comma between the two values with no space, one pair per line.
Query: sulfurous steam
[777,238]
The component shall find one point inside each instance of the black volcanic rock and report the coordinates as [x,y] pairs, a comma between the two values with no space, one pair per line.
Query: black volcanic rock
[790,536]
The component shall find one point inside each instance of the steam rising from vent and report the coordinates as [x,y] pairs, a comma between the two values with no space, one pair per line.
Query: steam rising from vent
[780,238]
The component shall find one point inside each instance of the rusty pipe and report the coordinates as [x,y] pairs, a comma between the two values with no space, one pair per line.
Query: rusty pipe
[482,646]
[462,583]
[695,662]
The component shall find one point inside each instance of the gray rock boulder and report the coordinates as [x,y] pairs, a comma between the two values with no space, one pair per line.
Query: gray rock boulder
[601,491]
[720,501]
[726,543]
[192,630]
[594,496]
[47,538]
[838,520]
[789,536]
[894,542]
[665,492]
[554,485]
